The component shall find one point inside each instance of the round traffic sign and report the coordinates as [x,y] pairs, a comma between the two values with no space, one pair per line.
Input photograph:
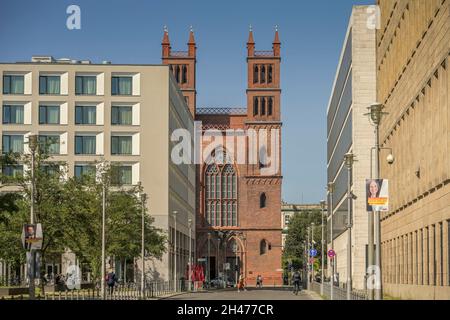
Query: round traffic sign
[313,252]
[331,253]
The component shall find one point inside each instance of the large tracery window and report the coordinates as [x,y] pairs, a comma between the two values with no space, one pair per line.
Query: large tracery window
[221,195]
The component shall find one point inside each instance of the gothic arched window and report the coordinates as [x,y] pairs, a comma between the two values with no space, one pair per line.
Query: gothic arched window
[263,74]
[255,106]
[270,106]
[255,74]
[221,195]
[269,74]
[184,75]
[262,200]
[177,73]
[262,247]
[263,106]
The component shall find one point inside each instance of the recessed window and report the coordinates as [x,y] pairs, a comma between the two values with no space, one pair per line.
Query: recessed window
[12,143]
[262,200]
[255,106]
[14,171]
[122,175]
[269,74]
[121,145]
[122,86]
[49,85]
[262,247]
[13,114]
[84,170]
[49,114]
[86,115]
[121,115]
[270,106]
[85,85]
[50,143]
[13,84]
[85,144]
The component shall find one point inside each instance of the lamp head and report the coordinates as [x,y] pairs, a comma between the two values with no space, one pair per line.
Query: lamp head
[322,204]
[390,159]
[349,159]
[330,186]
[376,112]
[32,142]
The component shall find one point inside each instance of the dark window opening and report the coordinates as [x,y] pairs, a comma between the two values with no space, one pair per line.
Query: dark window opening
[263,74]
[262,247]
[255,106]
[262,200]
[270,107]
[269,76]
[263,106]
[255,74]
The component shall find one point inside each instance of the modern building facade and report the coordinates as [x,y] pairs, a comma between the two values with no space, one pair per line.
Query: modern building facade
[348,130]
[238,225]
[123,114]
[413,47]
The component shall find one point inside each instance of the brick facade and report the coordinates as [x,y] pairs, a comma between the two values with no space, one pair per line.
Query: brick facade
[258,230]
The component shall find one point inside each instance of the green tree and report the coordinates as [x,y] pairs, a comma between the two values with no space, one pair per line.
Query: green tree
[297,235]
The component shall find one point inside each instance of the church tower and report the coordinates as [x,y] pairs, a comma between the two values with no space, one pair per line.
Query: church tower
[182,64]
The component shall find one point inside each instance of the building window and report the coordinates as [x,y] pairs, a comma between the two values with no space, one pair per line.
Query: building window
[262,200]
[263,247]
[49,143]
[177,73]
[14,171]
[121,115]
[184,75]
[51,170]
[122,175]
[121,86]
[12,143]
[49,115]
[270,106]
[13,84]
[85,144]
[255,106]
[49,85]
[121,145]
[84,170]
[13,114]
[85,115]
[255,74]
[269,74]
[263,74]
[263,106]
[221,195]
[85,85]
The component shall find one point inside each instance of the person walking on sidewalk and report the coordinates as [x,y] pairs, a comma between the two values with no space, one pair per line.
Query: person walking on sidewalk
[241,283]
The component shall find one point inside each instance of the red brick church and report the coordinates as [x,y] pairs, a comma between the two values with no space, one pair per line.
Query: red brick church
[238,223]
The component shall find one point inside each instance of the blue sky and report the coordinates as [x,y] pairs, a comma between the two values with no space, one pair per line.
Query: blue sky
[311,32]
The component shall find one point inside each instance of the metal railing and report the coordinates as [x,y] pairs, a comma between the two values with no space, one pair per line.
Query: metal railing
[130,291]
[338,293]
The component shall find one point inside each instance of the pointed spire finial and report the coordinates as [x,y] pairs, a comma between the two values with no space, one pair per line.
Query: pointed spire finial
[191,35]
[191,28]
[276,27]
[166,29]
[250,28]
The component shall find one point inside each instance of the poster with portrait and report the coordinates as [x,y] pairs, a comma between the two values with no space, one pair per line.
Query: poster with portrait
[32,236]
[377,195]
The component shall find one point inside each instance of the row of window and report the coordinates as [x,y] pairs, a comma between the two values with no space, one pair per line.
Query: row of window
[84,144]
[262,106]
[122,175]
[180,73]
[263,73]
[84,85]
[84,115]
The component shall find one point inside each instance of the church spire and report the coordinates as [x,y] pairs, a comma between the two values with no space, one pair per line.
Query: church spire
[276,43]
[251,43]
[166,43]
[191,43]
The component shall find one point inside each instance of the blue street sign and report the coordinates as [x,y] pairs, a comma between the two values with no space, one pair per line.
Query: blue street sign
[313,252]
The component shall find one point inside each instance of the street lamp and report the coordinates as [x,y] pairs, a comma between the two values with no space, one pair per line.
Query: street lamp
[330,188]
[143,200]
[376,114]
[103,291]
[349,158]
[32,144]
[209,257]
[174,215]
[312,247]
[190,253]
[322,206]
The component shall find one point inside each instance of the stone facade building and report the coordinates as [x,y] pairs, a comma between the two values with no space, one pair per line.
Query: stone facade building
[413,46]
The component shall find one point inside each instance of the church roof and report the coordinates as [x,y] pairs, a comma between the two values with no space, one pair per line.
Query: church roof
[221,111]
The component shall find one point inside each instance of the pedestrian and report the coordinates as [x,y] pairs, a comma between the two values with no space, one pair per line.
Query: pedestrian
[111,280]
[241,283]
[259,281]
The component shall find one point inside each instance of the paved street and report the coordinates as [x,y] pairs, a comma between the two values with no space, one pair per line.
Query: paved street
[251,294]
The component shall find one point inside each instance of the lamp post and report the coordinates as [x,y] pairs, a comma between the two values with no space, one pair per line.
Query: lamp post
[308,250]
[209,257]
[32,144]
[174,215]
[190,254]
[143,200]
[103,289]
[376,114]
[349,158]
[330,188]
[312,247]
[322,206]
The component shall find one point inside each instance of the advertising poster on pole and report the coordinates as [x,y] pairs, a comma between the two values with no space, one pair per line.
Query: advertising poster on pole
[377,195]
